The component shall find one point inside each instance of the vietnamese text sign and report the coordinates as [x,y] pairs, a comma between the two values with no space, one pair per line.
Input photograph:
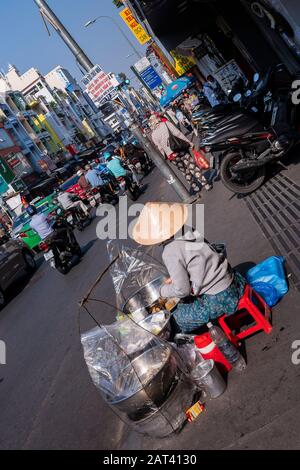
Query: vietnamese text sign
[151,78]
[182,64]
[138,30]
[228,74]
[99,85]
[142,64]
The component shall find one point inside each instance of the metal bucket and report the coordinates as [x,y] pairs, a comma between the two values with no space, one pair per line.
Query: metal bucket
[208,378]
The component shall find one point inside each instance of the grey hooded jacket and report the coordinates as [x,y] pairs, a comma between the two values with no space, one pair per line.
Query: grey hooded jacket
[195,268]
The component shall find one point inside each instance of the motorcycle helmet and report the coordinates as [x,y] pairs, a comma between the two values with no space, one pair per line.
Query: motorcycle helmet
[106,155]
[31,210]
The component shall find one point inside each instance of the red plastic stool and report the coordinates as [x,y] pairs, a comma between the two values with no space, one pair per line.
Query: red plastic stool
[251,304]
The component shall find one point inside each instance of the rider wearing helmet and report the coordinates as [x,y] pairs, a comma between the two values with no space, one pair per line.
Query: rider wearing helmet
[117,167]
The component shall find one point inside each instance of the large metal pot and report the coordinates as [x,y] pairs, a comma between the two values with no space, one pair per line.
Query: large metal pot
[156,369]
[138,302]
[170,417]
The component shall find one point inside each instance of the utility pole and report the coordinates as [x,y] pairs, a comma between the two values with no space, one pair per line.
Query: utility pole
[49,15]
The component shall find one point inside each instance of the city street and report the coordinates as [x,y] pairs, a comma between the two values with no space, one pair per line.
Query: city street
[48,400]
[126,108]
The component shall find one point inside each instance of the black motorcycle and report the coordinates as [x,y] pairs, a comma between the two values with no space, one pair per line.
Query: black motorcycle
[249,140]
[61,249]
[77,218]
[131,189]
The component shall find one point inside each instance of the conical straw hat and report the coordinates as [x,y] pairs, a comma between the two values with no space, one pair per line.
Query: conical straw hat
[159,221]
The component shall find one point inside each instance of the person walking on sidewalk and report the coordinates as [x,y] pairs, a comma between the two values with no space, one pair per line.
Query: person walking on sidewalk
[199,276]
[183,122]
[162,136]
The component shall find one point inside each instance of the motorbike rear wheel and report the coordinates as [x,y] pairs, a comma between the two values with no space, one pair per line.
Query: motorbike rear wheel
[62,269]
[244,183]
[133,193]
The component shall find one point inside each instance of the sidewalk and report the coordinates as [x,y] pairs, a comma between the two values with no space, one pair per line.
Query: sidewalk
[261,407]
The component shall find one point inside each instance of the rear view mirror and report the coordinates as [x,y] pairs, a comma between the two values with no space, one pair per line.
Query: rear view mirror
[237,97]
[256,77]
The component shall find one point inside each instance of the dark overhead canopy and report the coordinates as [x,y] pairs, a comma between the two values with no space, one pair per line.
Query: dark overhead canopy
[173,21]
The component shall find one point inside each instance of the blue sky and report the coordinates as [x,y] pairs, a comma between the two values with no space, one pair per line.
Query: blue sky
[25,41]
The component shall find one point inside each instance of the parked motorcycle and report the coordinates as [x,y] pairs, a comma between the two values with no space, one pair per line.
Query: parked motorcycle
[61,249]
[248,139]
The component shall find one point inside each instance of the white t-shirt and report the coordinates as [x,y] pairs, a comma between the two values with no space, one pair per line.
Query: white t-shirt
[40,224]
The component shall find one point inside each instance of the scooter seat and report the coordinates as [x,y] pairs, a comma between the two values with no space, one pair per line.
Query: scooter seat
[234,130]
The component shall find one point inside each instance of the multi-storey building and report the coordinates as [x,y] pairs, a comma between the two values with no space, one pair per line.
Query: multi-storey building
[22,133]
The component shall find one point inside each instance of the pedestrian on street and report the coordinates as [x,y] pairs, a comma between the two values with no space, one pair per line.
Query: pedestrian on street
[194,100]
[186,104]
[183,121]
[199,276]
[162,133]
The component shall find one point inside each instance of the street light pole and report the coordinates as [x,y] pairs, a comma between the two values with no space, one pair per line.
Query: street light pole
[90,22]
[50,16]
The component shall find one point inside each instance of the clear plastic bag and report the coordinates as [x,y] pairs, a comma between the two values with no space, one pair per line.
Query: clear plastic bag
[139,375]
[131,269]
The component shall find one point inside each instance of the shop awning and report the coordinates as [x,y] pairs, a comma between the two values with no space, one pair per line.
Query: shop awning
[175,89]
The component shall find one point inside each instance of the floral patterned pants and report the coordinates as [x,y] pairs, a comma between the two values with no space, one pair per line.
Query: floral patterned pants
[191,316]
[193,174]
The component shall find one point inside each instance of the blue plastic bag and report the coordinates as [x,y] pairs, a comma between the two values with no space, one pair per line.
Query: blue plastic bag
[268,279]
